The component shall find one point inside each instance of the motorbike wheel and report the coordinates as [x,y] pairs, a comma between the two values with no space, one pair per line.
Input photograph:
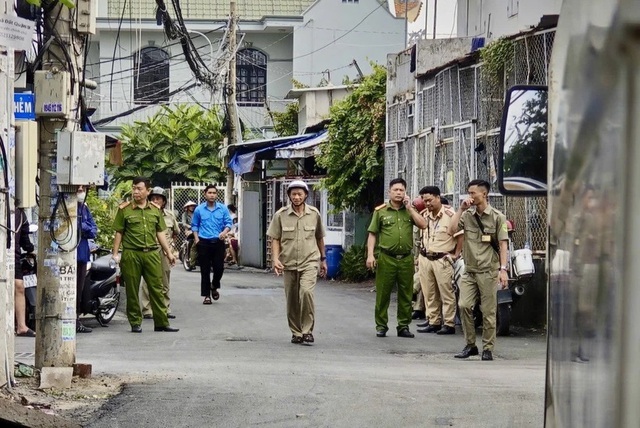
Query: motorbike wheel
[186,259]
[503,319]
[104,316]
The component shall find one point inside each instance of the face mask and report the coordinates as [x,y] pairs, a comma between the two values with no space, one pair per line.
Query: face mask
[81,197]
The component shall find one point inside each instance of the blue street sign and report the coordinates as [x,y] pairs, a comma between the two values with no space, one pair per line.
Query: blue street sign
[24,106]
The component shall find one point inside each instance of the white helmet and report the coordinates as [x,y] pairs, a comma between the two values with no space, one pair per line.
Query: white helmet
[297,184]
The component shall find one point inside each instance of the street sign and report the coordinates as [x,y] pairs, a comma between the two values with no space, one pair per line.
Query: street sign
[24,106]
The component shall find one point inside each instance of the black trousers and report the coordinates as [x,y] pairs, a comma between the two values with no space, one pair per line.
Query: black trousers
[81,275]
[211,254]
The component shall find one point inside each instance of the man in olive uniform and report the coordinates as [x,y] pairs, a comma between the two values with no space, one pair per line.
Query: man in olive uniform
[297,247]
[392,224]
[435,264]
[157,196]
[139,227]
[485,257]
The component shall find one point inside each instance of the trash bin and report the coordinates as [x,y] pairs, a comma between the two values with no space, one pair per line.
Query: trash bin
[334,257]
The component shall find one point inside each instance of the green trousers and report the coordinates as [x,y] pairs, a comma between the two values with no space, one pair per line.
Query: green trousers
[389,273]
[483,285]
[134,266]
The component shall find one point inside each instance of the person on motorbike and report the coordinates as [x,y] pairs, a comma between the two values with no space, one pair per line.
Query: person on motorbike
[87,229]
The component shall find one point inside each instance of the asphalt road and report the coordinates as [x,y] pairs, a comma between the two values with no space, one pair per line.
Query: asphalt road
[232,365]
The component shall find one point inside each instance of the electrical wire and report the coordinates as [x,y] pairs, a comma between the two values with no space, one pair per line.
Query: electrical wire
[115,45]
[5,175]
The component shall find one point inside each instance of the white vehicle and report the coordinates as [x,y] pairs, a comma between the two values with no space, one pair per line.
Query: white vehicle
[592,181]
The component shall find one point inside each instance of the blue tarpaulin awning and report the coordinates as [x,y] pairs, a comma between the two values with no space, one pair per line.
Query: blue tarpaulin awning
[246,153]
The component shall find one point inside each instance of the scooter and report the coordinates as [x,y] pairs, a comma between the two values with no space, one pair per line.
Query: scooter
[521,269]
[101,293]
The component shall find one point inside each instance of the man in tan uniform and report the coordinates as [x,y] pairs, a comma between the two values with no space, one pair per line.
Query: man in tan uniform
[158,197]
[435,264]
[297,247]
[485,257]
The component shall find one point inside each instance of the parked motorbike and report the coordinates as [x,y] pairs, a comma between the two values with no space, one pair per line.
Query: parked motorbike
[520,270]
[29,267]
[101,293]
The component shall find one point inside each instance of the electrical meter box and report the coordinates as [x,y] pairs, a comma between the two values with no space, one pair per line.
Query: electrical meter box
[52,93]
[87,11]
[26,163]
[80,158]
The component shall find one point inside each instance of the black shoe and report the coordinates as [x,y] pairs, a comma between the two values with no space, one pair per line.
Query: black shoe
[171,316]
[430,329]
[487,356]
[468,351]
[166,328]
[423,324]
[148,316]
[405,333]
[296,339]
[418,315]
[446,330]
[307,338]
[381,333]
[80,328]
[136,329]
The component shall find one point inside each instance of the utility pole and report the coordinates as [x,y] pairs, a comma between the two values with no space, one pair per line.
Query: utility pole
[232,108]
[6,255]
[57,88]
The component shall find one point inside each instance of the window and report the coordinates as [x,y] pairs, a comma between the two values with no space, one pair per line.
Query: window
[151,76]
[349,1]
[251,70]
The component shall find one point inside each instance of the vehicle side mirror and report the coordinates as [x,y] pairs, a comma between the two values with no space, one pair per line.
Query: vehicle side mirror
[522,161]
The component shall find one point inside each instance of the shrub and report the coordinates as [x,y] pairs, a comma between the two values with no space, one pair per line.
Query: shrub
[353,267]
[103,211]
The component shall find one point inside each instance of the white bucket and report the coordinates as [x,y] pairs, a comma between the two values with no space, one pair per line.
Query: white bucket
[523,263]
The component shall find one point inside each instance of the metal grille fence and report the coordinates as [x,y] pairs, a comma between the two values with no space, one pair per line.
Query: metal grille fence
[457,119]
[181,193]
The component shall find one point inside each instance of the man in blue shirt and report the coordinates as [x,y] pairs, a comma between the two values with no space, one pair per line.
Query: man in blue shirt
[210,224]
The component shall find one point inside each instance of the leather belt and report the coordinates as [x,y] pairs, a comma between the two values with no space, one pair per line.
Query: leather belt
[395,256]
[432,256]
[144,250]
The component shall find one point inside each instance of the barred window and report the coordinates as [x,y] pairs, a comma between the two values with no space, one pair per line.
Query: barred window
[151,76]
[251,83]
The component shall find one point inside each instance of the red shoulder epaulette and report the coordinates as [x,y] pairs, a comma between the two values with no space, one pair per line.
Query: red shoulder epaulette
[155,205]
[381,206]
[124,204]
[448,211]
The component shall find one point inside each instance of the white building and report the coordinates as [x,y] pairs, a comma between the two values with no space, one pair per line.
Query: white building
[497,18]
[137,66]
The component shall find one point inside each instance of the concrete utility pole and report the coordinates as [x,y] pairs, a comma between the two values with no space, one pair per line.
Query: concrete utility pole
[56,314]
[232,108]
[6,256]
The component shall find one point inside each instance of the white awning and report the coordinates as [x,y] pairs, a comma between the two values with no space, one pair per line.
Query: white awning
[303,149]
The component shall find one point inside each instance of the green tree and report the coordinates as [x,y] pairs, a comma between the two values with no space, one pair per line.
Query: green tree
[286,123]
[176,144]
[353,155]
[103,211]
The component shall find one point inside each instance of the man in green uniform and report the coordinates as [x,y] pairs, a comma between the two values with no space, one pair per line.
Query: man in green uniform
[392,224]
[485,257]
[297,245]
[139,228]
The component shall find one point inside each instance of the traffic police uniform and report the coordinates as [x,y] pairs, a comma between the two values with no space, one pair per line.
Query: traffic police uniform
[300,255]
[173,228]
[394,229]
[482,265]
[436,271]
[141,258]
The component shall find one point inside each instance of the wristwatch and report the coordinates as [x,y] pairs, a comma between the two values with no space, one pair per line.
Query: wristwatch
[322,258]
[504,268]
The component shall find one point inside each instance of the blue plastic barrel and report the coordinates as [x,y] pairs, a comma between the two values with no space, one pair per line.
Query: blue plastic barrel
[334,257]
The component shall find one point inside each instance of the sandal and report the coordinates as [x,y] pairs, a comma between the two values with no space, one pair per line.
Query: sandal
[308,338]
[215,295]
[28,333]
[207,301]
[296,339]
